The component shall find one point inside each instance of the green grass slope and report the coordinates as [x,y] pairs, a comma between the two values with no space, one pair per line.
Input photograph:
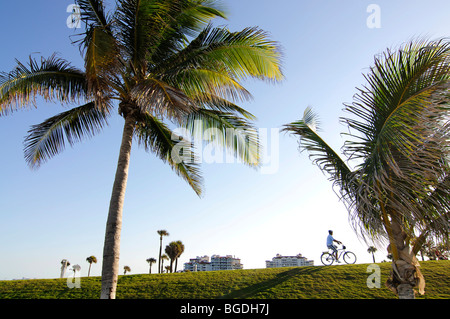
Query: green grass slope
[318,282]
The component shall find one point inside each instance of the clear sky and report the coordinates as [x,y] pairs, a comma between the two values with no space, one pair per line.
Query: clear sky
[59,211]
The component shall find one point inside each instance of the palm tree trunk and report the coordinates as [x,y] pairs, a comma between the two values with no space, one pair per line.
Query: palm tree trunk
[111,249]
[405,274]
[89,271]
[160,252]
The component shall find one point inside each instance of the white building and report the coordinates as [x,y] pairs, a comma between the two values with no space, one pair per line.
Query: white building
[288,261]
[217,263]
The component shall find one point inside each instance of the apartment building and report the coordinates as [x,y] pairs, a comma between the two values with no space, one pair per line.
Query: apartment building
[288,261]
[217,263]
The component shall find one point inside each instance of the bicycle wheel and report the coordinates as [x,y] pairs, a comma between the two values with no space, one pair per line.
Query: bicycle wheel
[327,259]
[349,257]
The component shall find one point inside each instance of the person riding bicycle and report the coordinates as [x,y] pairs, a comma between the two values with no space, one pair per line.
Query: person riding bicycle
[330,245]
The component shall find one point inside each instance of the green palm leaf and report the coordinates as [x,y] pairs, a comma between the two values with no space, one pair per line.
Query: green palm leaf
[228,131]
[319,151]
[54,79]
[157,138]
[238,55]
[48,138]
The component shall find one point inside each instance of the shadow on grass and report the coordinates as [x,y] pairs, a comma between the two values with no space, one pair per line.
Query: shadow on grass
[252,290]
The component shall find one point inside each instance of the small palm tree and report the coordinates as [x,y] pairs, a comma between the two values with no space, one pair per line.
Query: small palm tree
[126,269]
[372,250]
[154,62]
[399,128]
[163,257]
[75,268]
[151,261]
[90,260]
[161,234]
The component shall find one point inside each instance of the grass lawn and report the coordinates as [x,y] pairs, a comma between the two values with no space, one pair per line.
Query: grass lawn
[317,282]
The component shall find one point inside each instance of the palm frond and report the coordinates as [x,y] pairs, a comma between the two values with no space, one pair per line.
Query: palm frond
[200,84]
[157,138]
[93,12]
[152,29]
[319,151]
[53,78]
[101,62]
[48,138]
[239,55]
[353,191]
[228,131]
[214,102]
[186,19]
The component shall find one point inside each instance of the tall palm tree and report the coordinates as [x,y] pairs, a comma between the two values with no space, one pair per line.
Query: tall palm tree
[172,251]
[157,61]
[398,140]
[150,261]
[90,260]
[372,250]
[161,234]
[180,251]
[126,269]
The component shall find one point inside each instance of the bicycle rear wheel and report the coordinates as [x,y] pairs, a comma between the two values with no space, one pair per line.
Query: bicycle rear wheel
[349,257]
[327,259]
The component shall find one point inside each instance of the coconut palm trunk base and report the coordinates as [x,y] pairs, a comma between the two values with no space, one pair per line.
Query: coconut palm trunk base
[405,277]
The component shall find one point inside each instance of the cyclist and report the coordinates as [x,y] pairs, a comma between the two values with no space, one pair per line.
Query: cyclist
[330,245]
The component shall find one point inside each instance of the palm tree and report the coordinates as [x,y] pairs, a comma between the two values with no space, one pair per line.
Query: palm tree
[172,250]
[372,250]
[180,251]
[64,264]
[161,233]
[126,269]
[90,260]
[398,140]
[163,257]
[158,60]
[151,261]
[75,268]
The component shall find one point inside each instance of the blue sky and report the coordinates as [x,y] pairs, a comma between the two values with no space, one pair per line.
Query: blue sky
[59,211]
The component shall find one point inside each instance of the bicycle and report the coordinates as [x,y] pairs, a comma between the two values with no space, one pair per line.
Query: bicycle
[328,258]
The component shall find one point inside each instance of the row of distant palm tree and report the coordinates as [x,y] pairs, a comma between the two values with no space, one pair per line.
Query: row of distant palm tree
[173,252]
[65,263]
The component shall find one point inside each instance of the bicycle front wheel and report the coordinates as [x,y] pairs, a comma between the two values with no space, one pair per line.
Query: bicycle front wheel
[327,259]
[349,257]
